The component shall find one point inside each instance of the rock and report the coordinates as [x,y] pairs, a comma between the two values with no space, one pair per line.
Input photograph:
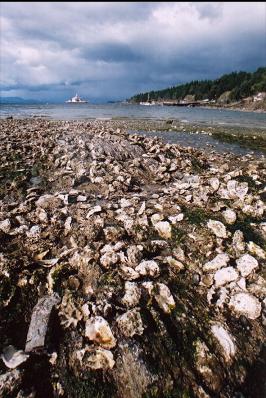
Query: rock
[246,264]
[12,357]
[130,323]
[164,229]
[229,216]
[132,294]
[164,298]
[217,228]
[246,304]
[39,322]
[225,340]
[225,275]
[98,330]
[148,267]
[218,262]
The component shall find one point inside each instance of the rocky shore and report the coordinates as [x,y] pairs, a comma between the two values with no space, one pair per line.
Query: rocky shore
[129,268]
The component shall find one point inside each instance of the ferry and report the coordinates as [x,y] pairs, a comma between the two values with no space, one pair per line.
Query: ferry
[76,100]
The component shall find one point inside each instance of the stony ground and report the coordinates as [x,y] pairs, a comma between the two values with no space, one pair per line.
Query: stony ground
[129,268]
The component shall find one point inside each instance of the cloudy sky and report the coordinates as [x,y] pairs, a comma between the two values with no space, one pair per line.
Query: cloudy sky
[110,51]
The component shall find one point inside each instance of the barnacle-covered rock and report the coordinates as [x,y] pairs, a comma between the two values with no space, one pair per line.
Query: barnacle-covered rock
[68,311]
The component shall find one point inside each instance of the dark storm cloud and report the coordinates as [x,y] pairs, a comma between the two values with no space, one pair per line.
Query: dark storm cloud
[114,50]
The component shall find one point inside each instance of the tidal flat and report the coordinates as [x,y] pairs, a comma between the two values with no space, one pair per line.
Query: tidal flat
[130,267]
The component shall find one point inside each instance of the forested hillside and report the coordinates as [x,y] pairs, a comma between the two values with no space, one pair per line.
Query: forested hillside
[240,85]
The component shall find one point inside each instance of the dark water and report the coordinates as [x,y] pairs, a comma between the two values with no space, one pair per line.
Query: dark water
[84,111]
[201,141]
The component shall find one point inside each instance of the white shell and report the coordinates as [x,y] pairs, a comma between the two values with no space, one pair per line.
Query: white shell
[149,267]
[130,323]
[246,304]
[98,358]
[132,294]
[98,330]
[225,275]
[12,357]
[225,340]
[229,216]
[217,228]
[218,262]
[246,264]
[164,298]
[164,229]
[256,250]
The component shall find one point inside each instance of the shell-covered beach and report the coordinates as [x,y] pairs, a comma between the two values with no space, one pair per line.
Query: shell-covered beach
[129,267]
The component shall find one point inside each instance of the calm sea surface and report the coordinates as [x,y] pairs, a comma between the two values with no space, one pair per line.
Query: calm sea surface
[189,115]
[88,111]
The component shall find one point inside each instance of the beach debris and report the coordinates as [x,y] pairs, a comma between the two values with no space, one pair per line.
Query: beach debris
[148,244]
[10,382]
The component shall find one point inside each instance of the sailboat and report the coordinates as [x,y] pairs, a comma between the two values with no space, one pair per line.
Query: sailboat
[148,102]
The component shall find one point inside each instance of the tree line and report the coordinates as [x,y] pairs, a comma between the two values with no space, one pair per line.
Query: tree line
[240,85]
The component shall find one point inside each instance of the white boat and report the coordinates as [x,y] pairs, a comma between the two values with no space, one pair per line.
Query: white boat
[76,99]
[148,102]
